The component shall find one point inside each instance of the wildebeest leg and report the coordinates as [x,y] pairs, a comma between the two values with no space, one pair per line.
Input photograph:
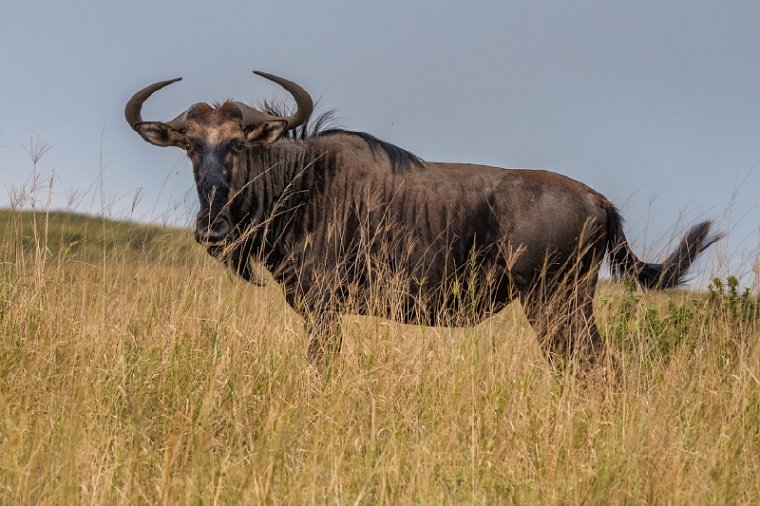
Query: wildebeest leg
[549,323]
[561,313]
[325,337]
[589,348]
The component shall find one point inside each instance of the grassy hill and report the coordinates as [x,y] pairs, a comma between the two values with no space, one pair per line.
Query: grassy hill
[85,237]
[135,369]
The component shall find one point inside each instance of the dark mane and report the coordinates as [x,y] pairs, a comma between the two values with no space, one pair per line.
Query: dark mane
[401,159]
[320,125]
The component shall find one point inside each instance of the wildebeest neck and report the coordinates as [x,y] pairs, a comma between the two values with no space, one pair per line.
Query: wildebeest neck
[270,200]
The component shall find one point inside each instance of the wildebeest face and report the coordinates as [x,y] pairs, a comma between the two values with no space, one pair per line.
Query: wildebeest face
[215,142]
[218,141]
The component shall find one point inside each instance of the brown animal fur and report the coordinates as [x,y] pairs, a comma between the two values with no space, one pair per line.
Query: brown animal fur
[347,223]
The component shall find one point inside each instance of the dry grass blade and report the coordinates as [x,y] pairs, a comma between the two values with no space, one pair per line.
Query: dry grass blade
[134,368]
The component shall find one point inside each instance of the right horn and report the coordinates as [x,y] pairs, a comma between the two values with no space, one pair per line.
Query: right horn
[304,103]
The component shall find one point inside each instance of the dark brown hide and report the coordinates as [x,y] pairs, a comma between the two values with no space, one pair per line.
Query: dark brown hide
[349,224]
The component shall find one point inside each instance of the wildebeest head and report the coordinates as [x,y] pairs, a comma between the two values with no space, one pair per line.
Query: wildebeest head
[216,139]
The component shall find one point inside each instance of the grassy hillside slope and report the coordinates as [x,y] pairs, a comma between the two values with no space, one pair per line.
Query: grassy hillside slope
[135,369]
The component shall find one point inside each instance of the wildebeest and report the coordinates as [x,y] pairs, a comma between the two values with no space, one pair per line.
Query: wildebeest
[348,223]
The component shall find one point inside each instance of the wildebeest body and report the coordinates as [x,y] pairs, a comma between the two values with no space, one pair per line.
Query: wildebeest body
[424,223]
[347,223]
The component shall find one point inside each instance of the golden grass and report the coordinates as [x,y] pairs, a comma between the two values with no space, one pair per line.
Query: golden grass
[135,369]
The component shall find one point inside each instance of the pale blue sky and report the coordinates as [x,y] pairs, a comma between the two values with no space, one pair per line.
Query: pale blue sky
[655,104]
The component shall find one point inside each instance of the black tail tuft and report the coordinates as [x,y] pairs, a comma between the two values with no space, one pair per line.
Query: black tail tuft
[668,274]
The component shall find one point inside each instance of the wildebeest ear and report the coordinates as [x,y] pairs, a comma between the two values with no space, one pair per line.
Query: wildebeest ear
[161,134]
[266,132]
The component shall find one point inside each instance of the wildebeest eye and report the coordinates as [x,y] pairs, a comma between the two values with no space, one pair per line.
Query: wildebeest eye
[237,146]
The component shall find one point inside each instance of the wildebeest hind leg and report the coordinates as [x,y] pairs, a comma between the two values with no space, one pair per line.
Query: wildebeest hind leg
[562,315]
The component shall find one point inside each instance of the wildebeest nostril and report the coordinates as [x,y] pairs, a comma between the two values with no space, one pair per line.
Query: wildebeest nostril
[211,233]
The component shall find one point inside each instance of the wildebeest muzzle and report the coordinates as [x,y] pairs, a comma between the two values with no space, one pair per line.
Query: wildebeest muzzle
[213,223]
[210,230]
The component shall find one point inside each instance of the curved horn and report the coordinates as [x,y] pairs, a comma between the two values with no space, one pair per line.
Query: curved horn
[133,109]
[303,100]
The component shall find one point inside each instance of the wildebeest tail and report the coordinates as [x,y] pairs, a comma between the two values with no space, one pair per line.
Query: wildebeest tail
[668,274]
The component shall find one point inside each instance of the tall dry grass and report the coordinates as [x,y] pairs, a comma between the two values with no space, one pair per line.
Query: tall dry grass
[135,369]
